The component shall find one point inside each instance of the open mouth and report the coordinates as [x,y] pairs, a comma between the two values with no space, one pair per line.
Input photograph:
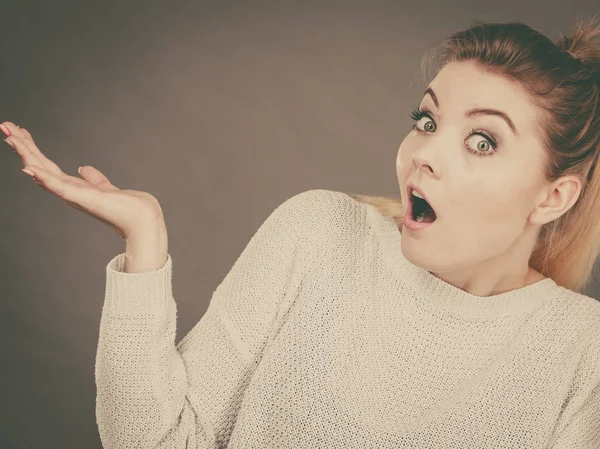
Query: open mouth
[420,208]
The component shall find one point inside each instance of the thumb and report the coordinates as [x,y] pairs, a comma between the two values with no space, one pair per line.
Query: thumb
[96,177]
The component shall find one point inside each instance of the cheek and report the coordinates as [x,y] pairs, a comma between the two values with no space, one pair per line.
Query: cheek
[506,205]
[486,223]
[494,212]
[482,213]
[499,207]
[403,159]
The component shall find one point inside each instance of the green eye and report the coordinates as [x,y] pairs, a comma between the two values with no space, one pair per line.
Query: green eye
[417,114]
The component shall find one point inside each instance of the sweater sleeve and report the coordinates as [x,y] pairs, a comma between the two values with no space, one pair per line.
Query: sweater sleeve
[579,424]
[152,393]
[582,430]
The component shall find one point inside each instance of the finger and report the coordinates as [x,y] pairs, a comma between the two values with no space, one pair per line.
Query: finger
[60,186]
[12,128]
[27,143]
[25,133]
[10,144]
[26,137]
[30,155]
[16,130]
[96,177]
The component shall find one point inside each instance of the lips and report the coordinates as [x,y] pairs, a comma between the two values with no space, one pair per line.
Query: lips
[410,187]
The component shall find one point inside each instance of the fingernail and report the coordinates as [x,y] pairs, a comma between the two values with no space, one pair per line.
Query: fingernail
[5,130]
[10,144]
[29,172]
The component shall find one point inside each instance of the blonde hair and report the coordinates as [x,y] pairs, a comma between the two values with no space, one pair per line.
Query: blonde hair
[563,80]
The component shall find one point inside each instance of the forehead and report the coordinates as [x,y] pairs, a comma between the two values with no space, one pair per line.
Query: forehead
[463,85]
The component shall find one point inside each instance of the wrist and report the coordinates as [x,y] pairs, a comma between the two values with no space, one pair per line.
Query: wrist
[146,250]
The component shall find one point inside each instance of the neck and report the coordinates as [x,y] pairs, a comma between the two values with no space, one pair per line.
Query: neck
[507,271]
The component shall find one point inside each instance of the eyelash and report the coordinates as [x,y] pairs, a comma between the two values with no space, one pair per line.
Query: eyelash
[417,114]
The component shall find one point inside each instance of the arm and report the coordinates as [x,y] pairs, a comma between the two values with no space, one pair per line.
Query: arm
[147,247]
[582,429]
[579,424]
[154,394]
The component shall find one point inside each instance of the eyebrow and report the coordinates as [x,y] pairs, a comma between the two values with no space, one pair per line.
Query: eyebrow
[478,111]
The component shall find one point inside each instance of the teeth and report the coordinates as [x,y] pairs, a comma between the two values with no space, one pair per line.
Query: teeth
[417,194]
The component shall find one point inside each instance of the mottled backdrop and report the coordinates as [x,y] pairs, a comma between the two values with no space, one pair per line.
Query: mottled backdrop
[222,110]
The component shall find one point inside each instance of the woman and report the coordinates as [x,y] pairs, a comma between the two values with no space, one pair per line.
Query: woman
[449,318]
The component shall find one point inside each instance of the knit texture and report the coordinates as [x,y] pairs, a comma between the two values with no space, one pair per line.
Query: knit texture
[322,335]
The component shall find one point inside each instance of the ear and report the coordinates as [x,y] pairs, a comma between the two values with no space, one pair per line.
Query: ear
[558,198]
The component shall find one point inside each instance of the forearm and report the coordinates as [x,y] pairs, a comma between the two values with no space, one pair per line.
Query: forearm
[142,385]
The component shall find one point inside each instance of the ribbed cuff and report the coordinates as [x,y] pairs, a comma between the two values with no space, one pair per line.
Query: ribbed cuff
[146,293]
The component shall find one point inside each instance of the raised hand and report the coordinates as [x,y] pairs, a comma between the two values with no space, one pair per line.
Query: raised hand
[125,211]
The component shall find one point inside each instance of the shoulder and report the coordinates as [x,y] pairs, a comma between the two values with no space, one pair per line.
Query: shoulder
[583,307]
[581,313]
[322,197]
[590,307]
[320,209]
[588,310]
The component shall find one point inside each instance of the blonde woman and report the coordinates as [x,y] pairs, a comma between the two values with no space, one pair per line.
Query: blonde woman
[451,317]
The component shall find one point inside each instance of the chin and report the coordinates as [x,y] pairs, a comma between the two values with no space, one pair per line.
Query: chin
[413,251]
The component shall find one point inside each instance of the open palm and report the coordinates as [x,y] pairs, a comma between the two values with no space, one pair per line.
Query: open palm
[123,210]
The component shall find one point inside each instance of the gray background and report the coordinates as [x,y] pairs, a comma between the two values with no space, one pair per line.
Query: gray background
[222,110]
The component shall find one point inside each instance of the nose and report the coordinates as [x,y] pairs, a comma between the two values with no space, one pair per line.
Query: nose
[421,163]
[424,157]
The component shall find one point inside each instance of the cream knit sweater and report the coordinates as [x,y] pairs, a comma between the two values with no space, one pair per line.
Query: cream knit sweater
[322,335]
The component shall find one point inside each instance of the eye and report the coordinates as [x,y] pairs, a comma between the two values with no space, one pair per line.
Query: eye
[483,144]
[417,114]
[482,148]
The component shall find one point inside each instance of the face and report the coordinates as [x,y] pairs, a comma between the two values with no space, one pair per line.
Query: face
[482,178]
